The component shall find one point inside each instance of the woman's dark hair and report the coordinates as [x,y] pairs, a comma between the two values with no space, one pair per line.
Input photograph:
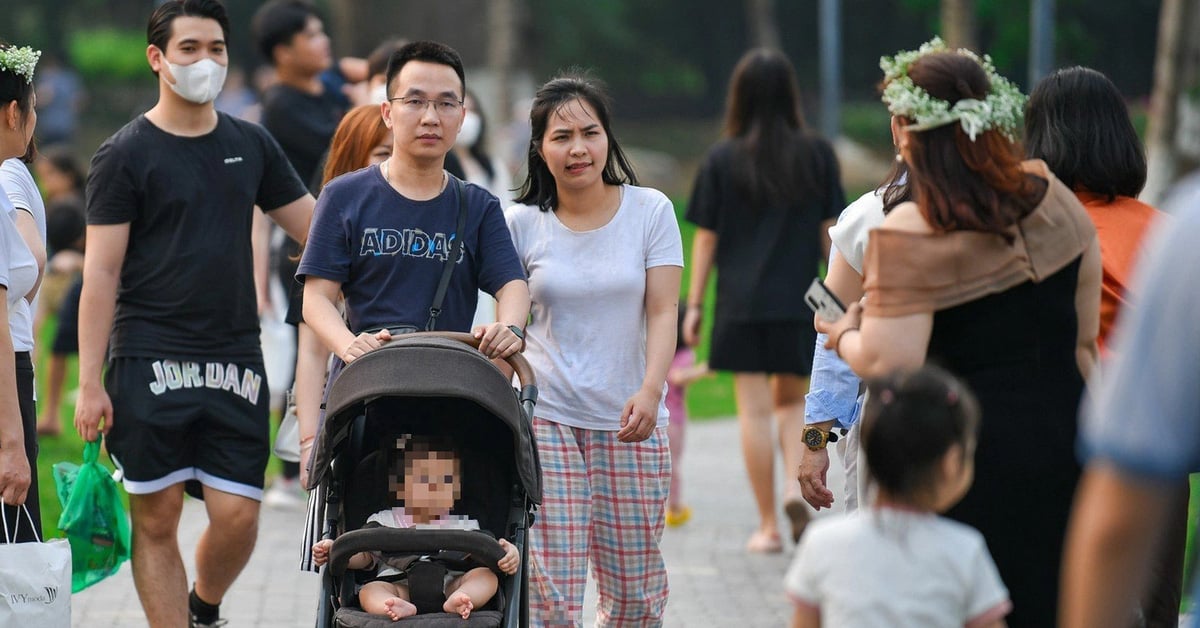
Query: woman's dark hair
[65,224]
[911,420]
[429,52]
[478,150]
[777,158]
[896,187]
[16,87]
[158,28]
[1077,122]
[540,188]
[377,61]
[958,183]
[277,22]
[65,162]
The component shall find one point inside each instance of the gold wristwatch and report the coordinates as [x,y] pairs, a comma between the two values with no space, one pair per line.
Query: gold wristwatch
[816,438]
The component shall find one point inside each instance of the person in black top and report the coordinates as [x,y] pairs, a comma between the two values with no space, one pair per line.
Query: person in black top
[762,202]
[169,293]
[302,113]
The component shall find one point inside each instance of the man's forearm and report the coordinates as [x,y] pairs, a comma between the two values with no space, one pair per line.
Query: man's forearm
[322,316]
[97,302]
[512,303]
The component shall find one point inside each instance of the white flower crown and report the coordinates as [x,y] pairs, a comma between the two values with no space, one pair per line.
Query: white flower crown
[1001,110]
[19,61]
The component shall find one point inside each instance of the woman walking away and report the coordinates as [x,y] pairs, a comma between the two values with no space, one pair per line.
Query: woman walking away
[1077,122]
[763,202]
[992,273]
[604,260]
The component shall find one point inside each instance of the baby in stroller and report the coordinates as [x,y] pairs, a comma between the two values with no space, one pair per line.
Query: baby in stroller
[425,478]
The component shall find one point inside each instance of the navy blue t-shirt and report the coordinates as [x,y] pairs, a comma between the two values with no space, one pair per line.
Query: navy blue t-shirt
[388,251]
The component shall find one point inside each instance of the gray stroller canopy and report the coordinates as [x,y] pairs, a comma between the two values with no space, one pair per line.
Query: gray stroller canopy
[421,365]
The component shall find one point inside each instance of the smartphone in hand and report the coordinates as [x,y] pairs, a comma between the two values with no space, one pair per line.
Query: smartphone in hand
[824,302]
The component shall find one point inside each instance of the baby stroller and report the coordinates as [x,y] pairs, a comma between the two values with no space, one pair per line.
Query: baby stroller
[435,384]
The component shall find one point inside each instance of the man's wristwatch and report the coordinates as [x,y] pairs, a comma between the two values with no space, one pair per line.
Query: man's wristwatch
[518,332]
[816,438]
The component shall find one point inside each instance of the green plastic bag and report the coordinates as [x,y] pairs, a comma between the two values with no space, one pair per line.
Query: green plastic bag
[93,519]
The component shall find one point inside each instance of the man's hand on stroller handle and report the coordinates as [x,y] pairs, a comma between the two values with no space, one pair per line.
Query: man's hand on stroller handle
[363,344]
[498,340]
[512,558]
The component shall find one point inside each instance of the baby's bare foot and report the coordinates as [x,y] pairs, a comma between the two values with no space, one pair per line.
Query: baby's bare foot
[398,608]
[459,603]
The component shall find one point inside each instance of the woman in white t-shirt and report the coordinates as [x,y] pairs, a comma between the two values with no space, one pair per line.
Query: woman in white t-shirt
[18,280]
[604,260]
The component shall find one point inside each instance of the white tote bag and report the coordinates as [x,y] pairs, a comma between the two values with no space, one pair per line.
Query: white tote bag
[278,341]
[35,580]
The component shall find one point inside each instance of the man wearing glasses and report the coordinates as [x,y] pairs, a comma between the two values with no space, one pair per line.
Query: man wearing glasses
[382,236]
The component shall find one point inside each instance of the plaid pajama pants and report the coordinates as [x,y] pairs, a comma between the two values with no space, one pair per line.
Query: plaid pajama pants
[603,501]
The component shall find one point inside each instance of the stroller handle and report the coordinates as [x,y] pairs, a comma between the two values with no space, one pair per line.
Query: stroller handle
[517,361]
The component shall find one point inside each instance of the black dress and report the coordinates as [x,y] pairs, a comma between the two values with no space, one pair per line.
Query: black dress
[1016,350]
[1005,321]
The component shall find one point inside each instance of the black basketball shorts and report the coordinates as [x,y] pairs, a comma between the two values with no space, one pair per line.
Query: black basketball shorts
[182,421]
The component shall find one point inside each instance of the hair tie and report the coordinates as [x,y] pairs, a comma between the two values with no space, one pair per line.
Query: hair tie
[886,396]
[951,397]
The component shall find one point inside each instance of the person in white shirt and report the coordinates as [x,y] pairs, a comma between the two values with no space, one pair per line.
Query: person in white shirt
[604,260]
[20,272]
[897,563]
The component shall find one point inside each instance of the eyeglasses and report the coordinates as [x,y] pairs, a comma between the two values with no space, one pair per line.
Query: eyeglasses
[417,105]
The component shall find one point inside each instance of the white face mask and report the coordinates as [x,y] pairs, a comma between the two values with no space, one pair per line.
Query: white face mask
[469,132]
[199,82]
[378,94]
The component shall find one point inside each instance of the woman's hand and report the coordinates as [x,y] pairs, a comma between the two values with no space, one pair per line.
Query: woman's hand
[852,319]
[14,474]
[363,344]
[691,325]
[512,558]
[640,416]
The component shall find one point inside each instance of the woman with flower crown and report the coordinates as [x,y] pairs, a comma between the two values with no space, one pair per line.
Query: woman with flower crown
[19,276]
[993,272]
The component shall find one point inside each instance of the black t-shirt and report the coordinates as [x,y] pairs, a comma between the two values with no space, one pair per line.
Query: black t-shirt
[765,256]
[303,124]
[187,286]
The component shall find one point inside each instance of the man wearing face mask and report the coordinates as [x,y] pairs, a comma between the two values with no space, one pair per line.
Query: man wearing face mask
[169,292]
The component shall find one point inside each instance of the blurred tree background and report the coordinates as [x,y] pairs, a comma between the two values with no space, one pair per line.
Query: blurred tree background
[666,61]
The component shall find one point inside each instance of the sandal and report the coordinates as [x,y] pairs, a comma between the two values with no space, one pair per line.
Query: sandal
[678,516]
[761,543]
[798,515]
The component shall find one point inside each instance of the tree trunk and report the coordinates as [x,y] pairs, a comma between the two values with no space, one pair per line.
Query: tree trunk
[1174,71]
[502,34]
[764,30]
[958,23]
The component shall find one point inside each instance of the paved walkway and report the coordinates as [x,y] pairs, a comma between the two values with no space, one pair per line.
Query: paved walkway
[713,581]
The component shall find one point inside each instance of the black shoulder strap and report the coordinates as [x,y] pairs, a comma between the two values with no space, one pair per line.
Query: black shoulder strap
[435,309]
